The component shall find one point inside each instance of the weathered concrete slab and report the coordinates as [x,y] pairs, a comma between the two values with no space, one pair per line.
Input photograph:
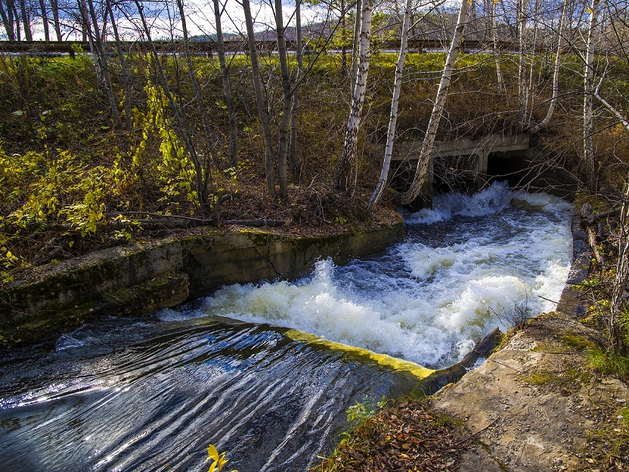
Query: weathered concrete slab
[494,143]
[145,277]
[531,406]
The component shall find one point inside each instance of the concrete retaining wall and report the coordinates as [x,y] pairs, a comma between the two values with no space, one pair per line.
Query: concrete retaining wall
[141,278]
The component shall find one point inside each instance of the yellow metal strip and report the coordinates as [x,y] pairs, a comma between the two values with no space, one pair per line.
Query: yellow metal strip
[391,362]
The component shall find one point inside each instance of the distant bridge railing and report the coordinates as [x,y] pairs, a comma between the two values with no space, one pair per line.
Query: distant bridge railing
[211,47]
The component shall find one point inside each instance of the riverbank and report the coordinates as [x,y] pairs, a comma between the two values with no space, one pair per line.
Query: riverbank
[148,275]
[536,404]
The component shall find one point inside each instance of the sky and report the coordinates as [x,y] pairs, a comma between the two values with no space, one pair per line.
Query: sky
[200,20]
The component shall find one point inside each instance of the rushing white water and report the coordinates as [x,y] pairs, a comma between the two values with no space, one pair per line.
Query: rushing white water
[151,393]
[469,265]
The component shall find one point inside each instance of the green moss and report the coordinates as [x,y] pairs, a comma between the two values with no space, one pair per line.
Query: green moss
[623,416]
[540,378]
[577,375]
[577,342]
[608,363]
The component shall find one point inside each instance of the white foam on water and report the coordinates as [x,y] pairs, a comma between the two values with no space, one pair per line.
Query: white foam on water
[448,205]
[453,293]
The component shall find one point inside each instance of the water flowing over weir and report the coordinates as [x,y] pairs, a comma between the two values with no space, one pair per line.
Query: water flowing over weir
[469,265]
[151,394]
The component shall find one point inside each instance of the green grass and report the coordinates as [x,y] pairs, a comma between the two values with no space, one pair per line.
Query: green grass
[608,363]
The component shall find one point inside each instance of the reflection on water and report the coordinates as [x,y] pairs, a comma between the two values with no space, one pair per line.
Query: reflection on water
[103,401]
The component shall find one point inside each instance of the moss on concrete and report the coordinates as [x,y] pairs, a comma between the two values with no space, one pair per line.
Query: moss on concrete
[144,277]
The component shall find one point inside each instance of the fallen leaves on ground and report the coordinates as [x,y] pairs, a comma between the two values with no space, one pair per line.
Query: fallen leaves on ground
[408,437]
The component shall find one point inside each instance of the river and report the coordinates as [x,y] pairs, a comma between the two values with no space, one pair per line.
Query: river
[151,393]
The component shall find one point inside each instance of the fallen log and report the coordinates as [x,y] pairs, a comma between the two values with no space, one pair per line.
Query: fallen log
[443,377]
[591,232]
[592,224]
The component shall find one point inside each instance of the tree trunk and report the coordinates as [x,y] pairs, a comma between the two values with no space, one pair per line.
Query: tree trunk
[101,58]
[345,180]
[26,20]
[198,94]
[588,98]
[397,87]
[260,102]
[44,19]
[553,101]
[16,20]
[54,6]
[356,41]
[343,37]
[491,7]
[125,69]
[7,18]
[227,93]
[87,31]
[295,162]
[207,178]
[620,289]
[531,65]
[286,108]
[426,151]
[523,85]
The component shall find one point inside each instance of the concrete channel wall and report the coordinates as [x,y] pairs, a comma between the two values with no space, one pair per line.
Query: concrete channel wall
[141,278]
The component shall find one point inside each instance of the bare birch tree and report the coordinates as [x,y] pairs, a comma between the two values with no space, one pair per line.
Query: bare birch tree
[26,19]
[428,144]
[524,87]
[589,158]
[395,100]
[555,93]
[490,6]
[285,121]
[54,7]
[43,9]
[260,102]
[97,47]
[347,167]
[6,14]
[295,162]
[126,80]
[356,40]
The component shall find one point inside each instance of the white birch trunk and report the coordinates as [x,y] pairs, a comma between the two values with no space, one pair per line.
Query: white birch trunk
[523,86]
[346,172]
[284,126]
[356,42]
[531,66]
[491,4]
[426,151]
[395,100]
[295,162]
[588,99]
[553,101]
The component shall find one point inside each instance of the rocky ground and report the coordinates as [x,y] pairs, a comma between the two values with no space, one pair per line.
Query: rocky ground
[533,405]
